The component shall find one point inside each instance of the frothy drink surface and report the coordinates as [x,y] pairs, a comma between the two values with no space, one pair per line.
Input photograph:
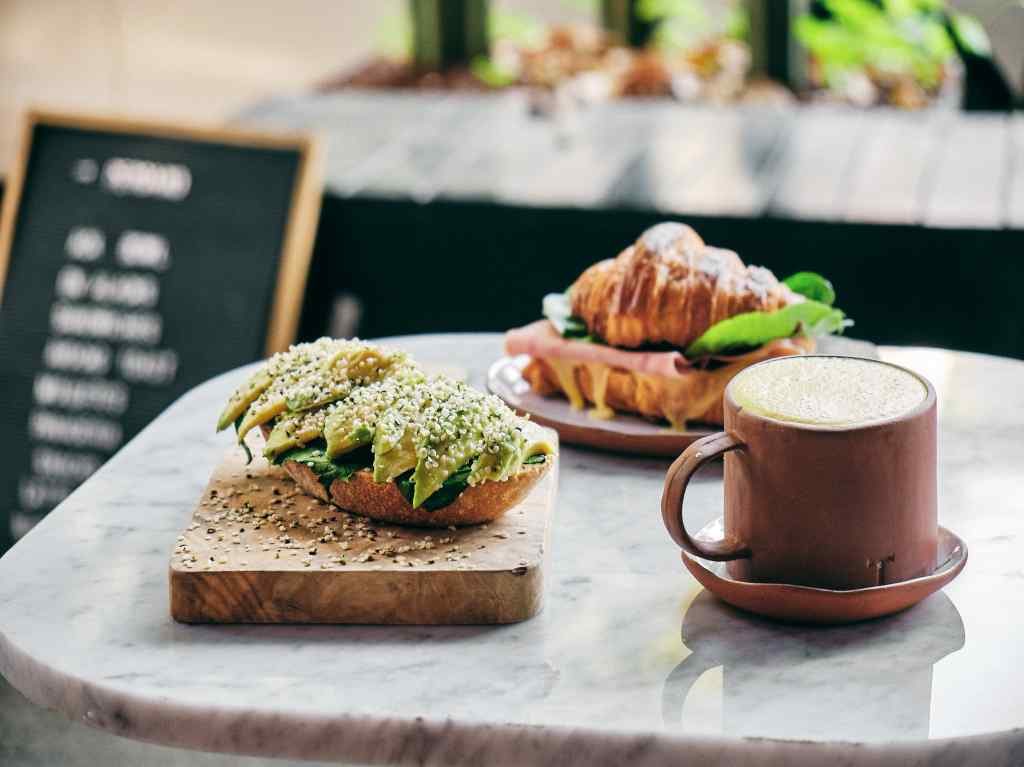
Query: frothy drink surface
[827,391]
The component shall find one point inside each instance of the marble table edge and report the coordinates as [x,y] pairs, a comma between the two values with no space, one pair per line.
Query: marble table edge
[422,741]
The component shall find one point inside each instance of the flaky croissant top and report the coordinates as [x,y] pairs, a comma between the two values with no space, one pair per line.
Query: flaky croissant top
[669,287]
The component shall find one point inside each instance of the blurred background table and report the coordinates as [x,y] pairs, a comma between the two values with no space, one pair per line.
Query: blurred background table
[629,661]
[474,208]
[936,167]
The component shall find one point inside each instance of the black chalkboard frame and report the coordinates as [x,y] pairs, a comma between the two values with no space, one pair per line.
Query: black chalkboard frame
[302,218]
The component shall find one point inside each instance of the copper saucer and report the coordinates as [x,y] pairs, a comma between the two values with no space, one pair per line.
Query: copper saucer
[805,604]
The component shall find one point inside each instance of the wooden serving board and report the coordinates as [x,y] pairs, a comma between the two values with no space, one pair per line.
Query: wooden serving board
[259,551]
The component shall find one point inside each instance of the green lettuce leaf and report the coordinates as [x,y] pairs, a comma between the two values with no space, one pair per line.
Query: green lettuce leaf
[813,286]
[750,330]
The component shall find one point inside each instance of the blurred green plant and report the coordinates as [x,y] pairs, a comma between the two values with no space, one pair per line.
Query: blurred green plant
[971,34]
[683,24]
[901,37]
[737,25]
[520,28]
[593,7]
[394,39]
[393,36]
[492,74]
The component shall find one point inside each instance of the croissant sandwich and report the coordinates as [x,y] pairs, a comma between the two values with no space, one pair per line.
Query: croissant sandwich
[660,329]
[363,427]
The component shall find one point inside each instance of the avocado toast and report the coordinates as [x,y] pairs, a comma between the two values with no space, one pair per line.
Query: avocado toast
[365,428]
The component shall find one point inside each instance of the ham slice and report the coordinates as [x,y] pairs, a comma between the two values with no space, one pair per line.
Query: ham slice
[542,339]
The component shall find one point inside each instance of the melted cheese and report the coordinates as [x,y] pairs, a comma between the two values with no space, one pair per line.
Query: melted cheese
[686,399]
[599,383]
[566,373]
[664,386]
[678,400]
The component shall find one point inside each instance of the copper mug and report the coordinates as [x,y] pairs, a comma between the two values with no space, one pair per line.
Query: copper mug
[831,507]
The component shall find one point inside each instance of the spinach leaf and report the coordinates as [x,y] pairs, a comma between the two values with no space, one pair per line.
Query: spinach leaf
[451,488]
[406,486]
[315,457]
[448,492]
[245,447]
[556,307]
[750,330]
[813,286]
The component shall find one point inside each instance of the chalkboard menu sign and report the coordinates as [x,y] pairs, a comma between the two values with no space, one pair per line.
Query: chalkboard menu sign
[136,260]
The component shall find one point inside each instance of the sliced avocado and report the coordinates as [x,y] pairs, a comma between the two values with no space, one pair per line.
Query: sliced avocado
[354,422]
[428,480]
[430,473]
[260,412]
[536,439]
[511,456]
[313,387]
[498,466]
[244,396]
[317,392]
[293,364]
[392,459]
[339,442]
[299,403]
[349,367]
[273,403]
[450,490]
[538,447]
[367,363]
[294,430]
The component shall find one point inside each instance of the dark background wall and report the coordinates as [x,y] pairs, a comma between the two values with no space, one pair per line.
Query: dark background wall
[452,266]
[456,266]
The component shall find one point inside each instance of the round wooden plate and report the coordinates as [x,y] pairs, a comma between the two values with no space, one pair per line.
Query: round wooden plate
[624,433]
[805,604]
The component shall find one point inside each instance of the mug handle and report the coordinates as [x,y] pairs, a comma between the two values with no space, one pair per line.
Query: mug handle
[678,477]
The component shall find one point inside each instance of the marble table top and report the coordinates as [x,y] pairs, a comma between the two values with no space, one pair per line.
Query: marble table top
[630,661]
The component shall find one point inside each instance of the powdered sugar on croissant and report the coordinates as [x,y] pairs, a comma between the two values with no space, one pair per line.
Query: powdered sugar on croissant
[669,287]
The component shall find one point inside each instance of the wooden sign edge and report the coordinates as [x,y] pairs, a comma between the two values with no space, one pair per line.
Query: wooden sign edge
[303,210]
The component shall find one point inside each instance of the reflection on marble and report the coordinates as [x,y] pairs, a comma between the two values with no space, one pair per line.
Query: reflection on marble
[601,676]
[826,683]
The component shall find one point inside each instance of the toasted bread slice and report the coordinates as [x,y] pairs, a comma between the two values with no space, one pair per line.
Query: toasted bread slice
[383,501]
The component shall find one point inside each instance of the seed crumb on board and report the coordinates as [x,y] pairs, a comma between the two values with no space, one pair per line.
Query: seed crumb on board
[314,533]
